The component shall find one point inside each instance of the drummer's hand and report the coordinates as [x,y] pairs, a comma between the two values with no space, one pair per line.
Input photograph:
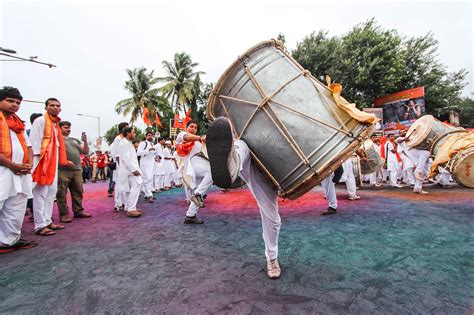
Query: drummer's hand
[202,139]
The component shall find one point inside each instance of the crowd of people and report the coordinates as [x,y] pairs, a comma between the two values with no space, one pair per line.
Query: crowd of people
[45,163]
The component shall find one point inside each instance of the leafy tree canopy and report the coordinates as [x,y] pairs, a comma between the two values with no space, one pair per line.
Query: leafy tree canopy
[371,62]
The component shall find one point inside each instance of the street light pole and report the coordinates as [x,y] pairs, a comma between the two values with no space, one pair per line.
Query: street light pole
[91,116]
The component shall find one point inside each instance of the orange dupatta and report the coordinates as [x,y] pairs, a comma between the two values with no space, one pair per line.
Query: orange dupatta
[14,123]
[184,148]
[45,171]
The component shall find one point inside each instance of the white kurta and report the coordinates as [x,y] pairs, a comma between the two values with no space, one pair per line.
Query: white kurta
[12,184]
[127,183]
[43,195]
[392,161]
[147,152]
[118,196]
[178,175]
[15,191]
[198,170]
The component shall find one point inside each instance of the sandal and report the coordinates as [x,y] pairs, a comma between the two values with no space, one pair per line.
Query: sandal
[6,249]
[45,232]
[24,244]
[56,227]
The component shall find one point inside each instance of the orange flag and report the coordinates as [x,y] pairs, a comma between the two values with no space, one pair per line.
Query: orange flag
[158,121]
[146,118]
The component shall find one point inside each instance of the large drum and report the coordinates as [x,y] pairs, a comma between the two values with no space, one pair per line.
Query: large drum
[462,167]
[427,133]
[374,160]
[295,130]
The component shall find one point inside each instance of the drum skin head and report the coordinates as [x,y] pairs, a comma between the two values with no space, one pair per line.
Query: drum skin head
[463,170]
[420,130]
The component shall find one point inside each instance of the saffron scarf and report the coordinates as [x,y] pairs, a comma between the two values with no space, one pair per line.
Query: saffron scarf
[14,123]
[184,148]
[45,171]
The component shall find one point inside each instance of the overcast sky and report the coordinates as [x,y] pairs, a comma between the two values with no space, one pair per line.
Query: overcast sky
[93,42]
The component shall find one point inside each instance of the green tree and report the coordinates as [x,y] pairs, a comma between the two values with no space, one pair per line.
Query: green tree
[466,107]
[198,103]
[371,62]
[179,81]
[140,85]
[281,37]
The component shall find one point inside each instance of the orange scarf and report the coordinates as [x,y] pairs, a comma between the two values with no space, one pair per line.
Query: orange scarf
[14,123]
[185,148]
[45,171]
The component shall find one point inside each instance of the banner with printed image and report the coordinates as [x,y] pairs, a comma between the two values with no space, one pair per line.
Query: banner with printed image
[402,109]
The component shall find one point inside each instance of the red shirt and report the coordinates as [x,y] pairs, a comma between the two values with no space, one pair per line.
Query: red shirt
[101,160]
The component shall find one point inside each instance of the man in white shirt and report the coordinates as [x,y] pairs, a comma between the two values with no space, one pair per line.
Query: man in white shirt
[129,178]
[118,197]
[159,167]
[147,152]
[49,151]
[196,167]
[407,159]
[392,161]
[16,158]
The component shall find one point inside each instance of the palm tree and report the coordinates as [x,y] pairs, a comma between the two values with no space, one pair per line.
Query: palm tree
[179,82]
[140,85]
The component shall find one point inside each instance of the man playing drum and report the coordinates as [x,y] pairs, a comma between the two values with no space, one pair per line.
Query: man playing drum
[230,159]
[196,168]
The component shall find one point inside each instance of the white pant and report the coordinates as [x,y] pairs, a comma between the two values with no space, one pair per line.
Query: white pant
[266,196]
[147,184]
[202,169]
[393,177]
[349,178]
[167,180]
[444,178]
[131,196]
[159,182]
[43,202]
[330,190]
[12,212]
[410,176]
[418,185]
[372,178]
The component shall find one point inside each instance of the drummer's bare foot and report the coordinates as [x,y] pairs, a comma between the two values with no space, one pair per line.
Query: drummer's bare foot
[224,160]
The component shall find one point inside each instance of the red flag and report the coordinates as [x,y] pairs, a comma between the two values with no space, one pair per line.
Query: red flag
[146,118]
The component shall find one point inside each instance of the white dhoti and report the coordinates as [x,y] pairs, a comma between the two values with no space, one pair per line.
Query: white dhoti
[43,200]
[202,180]
[132,194]
[330,190]
[349,178]
[148,174]
[265,195]
[12,212]
[119,193]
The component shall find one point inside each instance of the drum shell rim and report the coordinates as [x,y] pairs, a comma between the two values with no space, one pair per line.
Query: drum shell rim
[223,78]
[457,160]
